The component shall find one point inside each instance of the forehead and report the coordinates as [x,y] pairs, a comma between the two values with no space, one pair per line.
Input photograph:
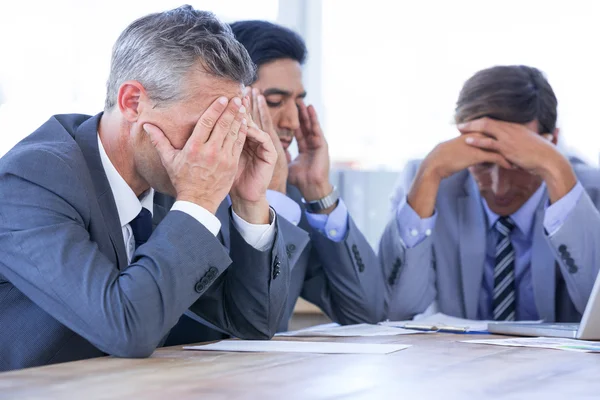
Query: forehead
[282,74]
[201,87]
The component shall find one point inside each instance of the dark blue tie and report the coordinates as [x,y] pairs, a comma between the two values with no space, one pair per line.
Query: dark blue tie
[504,301]
[141,227]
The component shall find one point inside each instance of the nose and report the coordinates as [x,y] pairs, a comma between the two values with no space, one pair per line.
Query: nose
[290,119]
[500,180]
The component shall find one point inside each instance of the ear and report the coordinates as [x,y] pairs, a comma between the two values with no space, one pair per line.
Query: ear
[132,98]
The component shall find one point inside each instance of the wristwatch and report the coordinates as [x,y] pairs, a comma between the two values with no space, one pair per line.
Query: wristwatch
[323,203]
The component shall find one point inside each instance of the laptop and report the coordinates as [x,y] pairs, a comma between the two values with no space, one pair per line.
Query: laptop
[588,329]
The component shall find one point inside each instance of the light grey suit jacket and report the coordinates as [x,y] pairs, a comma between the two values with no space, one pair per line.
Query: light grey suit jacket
[448,265]
[67,291]
[343,278]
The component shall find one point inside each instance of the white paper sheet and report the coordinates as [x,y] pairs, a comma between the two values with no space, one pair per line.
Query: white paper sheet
[440,320]
[359,330]
[269,346]
[582,346]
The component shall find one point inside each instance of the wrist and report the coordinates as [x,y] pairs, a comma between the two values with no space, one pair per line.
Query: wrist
[423,191]
[316,191]
[202,202]
[559,178]
[253,212]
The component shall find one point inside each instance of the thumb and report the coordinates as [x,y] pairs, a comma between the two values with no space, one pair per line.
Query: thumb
[165,150]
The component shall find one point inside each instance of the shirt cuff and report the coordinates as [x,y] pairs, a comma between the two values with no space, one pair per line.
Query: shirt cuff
[413,229]
[284,206]
[333,226]
[261,236]
[556,214]
[200,214]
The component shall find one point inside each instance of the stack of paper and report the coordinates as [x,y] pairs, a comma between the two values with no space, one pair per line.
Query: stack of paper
[582,346]
[299,347]
[442,322]
[360,330]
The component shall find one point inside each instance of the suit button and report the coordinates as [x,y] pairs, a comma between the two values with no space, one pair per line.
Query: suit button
[572,270]
[562,248]
[361,267]
[212,273]
[391,281]
[199,287]
[570,262]
[291,248]
[355,248]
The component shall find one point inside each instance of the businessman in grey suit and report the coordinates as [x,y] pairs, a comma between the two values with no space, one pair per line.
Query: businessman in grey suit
[333,266]
[497,224]
[83,273]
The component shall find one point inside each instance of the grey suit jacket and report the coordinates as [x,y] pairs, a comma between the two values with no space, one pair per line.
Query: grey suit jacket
[66,289]
[344,279]
[448,265]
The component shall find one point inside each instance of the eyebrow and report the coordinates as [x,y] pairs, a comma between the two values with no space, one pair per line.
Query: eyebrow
[281,92]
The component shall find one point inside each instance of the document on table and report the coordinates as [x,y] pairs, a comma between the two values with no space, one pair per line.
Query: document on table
[441,322]
[582,346]
[445,323]
[359,330]
[269,346]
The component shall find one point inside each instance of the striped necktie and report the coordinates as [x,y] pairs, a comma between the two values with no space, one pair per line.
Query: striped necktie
[504,302]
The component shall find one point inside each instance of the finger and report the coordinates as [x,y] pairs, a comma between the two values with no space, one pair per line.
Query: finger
[483,142]
[234,130]
[265,149]
[488,126]
[223,127]
[163,146]
[208,120]
[495,158]
[314,121]
[238,145]
[300,133]
[304,118]
[265,116]
[255,110]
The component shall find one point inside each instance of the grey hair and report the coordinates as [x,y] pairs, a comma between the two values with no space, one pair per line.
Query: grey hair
[158,50]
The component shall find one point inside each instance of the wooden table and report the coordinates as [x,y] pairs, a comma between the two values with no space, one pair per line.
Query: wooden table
[436,367]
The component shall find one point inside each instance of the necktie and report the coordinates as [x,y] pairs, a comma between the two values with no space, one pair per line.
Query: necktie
[504,302]
[141,227]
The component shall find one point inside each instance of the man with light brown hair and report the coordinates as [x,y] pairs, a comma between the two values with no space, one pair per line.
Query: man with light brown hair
[497,224]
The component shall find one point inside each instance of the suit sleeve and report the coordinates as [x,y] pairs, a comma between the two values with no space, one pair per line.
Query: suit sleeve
[409,272]
[344,277]
[49,255]
[248,301]
[575,245]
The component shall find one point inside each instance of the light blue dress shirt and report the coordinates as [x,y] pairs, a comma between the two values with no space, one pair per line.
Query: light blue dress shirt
[333,226]
[414,229]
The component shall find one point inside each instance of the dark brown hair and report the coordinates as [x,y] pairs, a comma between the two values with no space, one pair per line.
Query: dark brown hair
[514,93]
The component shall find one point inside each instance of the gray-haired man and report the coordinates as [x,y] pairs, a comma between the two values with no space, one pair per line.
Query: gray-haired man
[85,270]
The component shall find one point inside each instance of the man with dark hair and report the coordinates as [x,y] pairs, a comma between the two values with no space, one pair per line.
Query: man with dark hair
[90,264]
[332,264]
[497,224]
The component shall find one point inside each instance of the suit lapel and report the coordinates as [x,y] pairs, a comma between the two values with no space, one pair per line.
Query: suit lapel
[472,246]
[86,137]
[543,271]
[223,216]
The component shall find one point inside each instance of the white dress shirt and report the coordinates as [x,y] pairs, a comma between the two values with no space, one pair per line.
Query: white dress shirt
[260,237]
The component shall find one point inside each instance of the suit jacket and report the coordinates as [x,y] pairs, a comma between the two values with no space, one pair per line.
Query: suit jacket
[344,279]
[67,291]
[448,265]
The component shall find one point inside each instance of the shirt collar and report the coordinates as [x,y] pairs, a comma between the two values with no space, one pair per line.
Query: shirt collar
[523,217]
[128,204]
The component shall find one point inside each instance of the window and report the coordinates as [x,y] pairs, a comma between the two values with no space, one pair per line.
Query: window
[55,55]
[392,70]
